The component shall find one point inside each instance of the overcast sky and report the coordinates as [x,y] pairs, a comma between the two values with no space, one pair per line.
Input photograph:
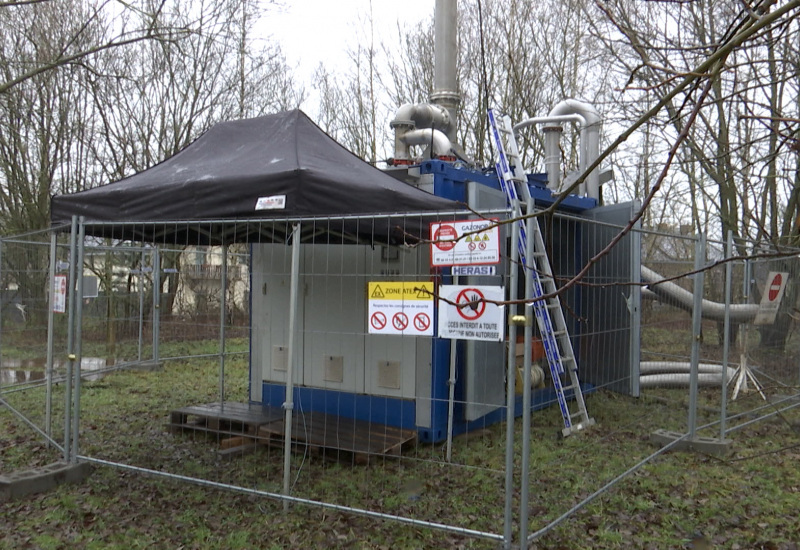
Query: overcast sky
[315,31]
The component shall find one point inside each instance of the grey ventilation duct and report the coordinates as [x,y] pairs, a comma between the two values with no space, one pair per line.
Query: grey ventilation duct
[673,294]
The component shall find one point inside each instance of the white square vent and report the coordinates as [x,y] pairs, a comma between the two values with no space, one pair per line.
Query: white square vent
[280,358]
[333,366]
[389,374]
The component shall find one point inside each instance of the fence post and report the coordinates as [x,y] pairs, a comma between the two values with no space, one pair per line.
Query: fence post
[73,235]
[511,390]
[726,339]
[76,416]
[288,404]
[451,396]
[223,289]
[141,307]
[526,376]
[51,298]
[156,302]
[697,326]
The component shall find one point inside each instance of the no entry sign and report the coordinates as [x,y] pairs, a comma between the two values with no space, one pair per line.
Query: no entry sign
[468,314]
[771,299]
[400,308]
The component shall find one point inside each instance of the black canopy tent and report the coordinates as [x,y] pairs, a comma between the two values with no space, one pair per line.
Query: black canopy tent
[242,173]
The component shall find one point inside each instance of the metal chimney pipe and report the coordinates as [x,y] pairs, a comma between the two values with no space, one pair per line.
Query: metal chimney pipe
[445,49]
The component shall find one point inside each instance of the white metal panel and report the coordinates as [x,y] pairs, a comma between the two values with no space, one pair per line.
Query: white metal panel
[271,275]
[391,360]
[485,362]
[334,289]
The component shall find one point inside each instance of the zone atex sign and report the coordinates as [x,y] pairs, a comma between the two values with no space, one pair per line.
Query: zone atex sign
[465,242]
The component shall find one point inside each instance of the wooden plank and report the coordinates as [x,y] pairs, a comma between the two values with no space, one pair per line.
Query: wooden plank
[230,442]
[249,424]
[227,418]
[344,434]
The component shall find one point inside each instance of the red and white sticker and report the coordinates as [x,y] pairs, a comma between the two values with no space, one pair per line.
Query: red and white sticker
[771,299]
[465,242]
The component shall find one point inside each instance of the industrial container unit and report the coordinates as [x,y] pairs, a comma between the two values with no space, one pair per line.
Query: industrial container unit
[404,381]
[397,380]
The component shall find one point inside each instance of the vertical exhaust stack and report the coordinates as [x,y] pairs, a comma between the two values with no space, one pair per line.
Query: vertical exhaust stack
[434,124]
[445,64]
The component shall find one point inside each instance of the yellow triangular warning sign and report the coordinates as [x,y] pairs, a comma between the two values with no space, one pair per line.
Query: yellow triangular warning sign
[468,239]
[423,293]
[377,293]
[485,237]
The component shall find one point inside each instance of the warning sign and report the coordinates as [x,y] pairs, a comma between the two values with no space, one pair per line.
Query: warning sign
[400,308]
[60,294]
[771,300]
[465,242]
[470,313]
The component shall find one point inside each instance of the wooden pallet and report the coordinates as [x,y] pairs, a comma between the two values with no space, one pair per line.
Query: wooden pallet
[227,421]
[325,431]
[241,426]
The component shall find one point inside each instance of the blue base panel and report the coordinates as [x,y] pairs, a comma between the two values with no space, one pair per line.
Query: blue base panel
[396,412]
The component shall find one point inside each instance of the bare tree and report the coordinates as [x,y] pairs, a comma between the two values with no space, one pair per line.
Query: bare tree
[733,156]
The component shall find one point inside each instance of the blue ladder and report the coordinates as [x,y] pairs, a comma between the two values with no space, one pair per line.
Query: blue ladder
[549,315]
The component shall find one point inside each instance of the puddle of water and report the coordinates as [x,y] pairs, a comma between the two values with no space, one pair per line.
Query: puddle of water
[22,371]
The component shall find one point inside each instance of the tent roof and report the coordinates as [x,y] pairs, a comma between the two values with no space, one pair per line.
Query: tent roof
[272,167]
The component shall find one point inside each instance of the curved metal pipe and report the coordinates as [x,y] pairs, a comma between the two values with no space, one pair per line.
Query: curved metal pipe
[434,139]
[677,296]
[414,117]
[578,119]
[590,139]
[422,115]
[552,137]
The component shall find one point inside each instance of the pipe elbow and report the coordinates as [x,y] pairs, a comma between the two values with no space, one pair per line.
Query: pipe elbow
[577,106]
[404,116]
[438,142]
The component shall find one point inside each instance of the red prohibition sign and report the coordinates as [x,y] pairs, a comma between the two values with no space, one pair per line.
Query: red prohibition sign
[445,237]
[422,322]
[378,320]
[474,306]
[400,320]
[775,287]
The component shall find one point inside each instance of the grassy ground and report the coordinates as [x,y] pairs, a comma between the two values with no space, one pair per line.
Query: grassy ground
[747,500]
